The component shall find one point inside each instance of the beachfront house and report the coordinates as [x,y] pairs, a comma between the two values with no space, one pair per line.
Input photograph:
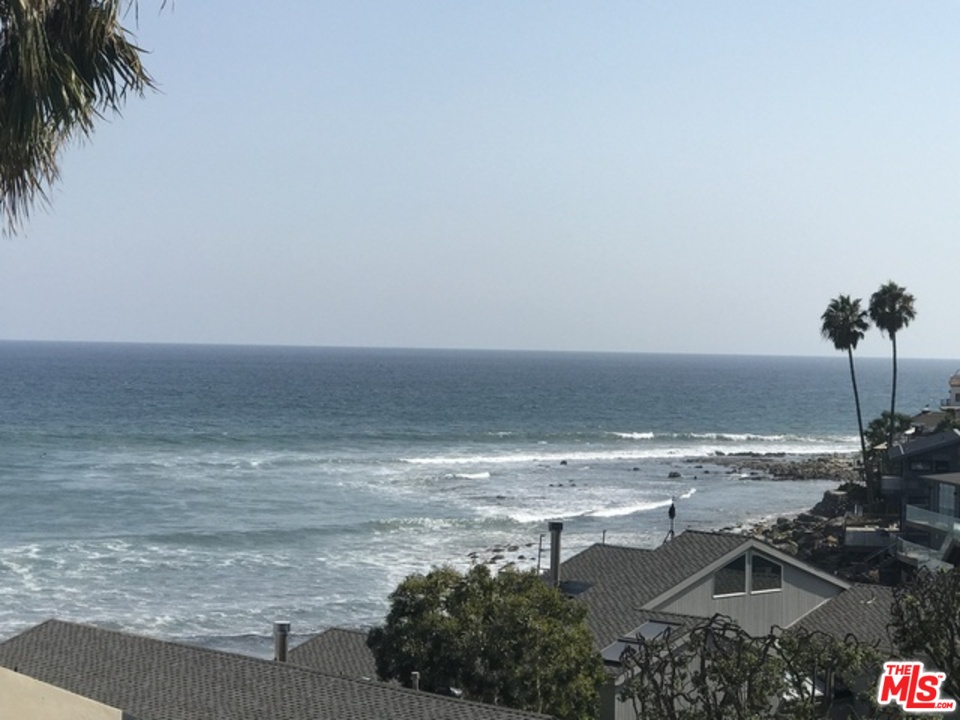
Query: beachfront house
[929,500]
[630,591]
[58,669]
[684,582]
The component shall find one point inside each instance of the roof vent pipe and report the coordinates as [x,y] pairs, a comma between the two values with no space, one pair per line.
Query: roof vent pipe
[415,680]
[555,529]
[281,631]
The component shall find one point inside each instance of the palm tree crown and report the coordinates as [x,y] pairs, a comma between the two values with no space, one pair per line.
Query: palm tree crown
[891,308]
[844,323]
[63,63]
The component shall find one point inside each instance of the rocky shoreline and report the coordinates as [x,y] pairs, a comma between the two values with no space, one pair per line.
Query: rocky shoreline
[779,466]
[815,536]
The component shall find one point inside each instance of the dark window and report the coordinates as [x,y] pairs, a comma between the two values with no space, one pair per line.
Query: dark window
[731,578]
[941,465]
[766,575]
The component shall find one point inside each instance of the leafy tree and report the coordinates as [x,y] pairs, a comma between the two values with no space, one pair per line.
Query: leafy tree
[949,422]
[926,621]
[63,64]
[507,639]
[845,663]
[878,433]
[891,309]
[719,672]
[844,324]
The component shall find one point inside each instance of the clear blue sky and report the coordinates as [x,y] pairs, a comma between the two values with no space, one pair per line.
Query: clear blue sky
[625,176]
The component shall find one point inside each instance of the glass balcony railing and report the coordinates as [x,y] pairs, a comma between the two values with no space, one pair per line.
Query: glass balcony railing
[920,555]
[934,520]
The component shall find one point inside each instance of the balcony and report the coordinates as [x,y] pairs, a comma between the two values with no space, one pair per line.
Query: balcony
[933,520]
[920,556]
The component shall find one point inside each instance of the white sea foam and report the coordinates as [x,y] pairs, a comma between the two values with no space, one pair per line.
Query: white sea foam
[634,435]
[620,511]
[699,450]
[470,476]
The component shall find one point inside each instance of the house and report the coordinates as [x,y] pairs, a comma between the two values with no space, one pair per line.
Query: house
[632,592]
[141,678]
[928,499]
[696,574]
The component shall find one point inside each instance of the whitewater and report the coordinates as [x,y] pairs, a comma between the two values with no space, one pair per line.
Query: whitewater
[199,493]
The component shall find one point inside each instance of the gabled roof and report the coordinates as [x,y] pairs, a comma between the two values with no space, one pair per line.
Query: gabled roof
[618,584]
[924,444]
[862,611]
[337,651]
[160,680]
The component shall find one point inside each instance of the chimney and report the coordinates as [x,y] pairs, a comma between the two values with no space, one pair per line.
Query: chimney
[415,680]
[555,529]
[281,630]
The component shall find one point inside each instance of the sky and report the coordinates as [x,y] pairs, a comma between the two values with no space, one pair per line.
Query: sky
[693,177]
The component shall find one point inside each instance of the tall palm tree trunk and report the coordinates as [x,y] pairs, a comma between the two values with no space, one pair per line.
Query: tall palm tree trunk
[856,400]
[893,392]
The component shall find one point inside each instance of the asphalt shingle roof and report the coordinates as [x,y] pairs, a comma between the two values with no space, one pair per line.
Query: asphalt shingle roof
[616,582]
[862,611]
[159,680]
[337,651]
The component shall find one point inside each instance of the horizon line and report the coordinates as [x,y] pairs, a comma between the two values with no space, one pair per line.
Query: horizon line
[305,346]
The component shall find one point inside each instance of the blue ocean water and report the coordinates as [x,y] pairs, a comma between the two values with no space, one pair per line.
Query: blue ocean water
[199,493]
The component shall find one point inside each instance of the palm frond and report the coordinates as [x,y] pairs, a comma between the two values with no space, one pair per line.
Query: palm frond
[63,64]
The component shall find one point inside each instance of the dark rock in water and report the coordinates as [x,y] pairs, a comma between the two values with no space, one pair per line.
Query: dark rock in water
[833,504]
[636,469]
[501,497]
[673,474]
[563,462]
[512,548]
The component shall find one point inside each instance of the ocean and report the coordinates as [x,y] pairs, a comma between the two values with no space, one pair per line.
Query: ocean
[199,493]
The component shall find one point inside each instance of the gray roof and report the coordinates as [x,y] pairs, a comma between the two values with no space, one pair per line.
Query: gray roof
[616,582]
[159,680]
[862,611]
[337,651]
[925,443]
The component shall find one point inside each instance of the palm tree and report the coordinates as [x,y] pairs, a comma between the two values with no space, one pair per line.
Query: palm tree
[844,323]
[891,309]
[63,64]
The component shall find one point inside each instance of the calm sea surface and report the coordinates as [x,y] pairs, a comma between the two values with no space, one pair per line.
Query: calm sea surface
[199,493]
